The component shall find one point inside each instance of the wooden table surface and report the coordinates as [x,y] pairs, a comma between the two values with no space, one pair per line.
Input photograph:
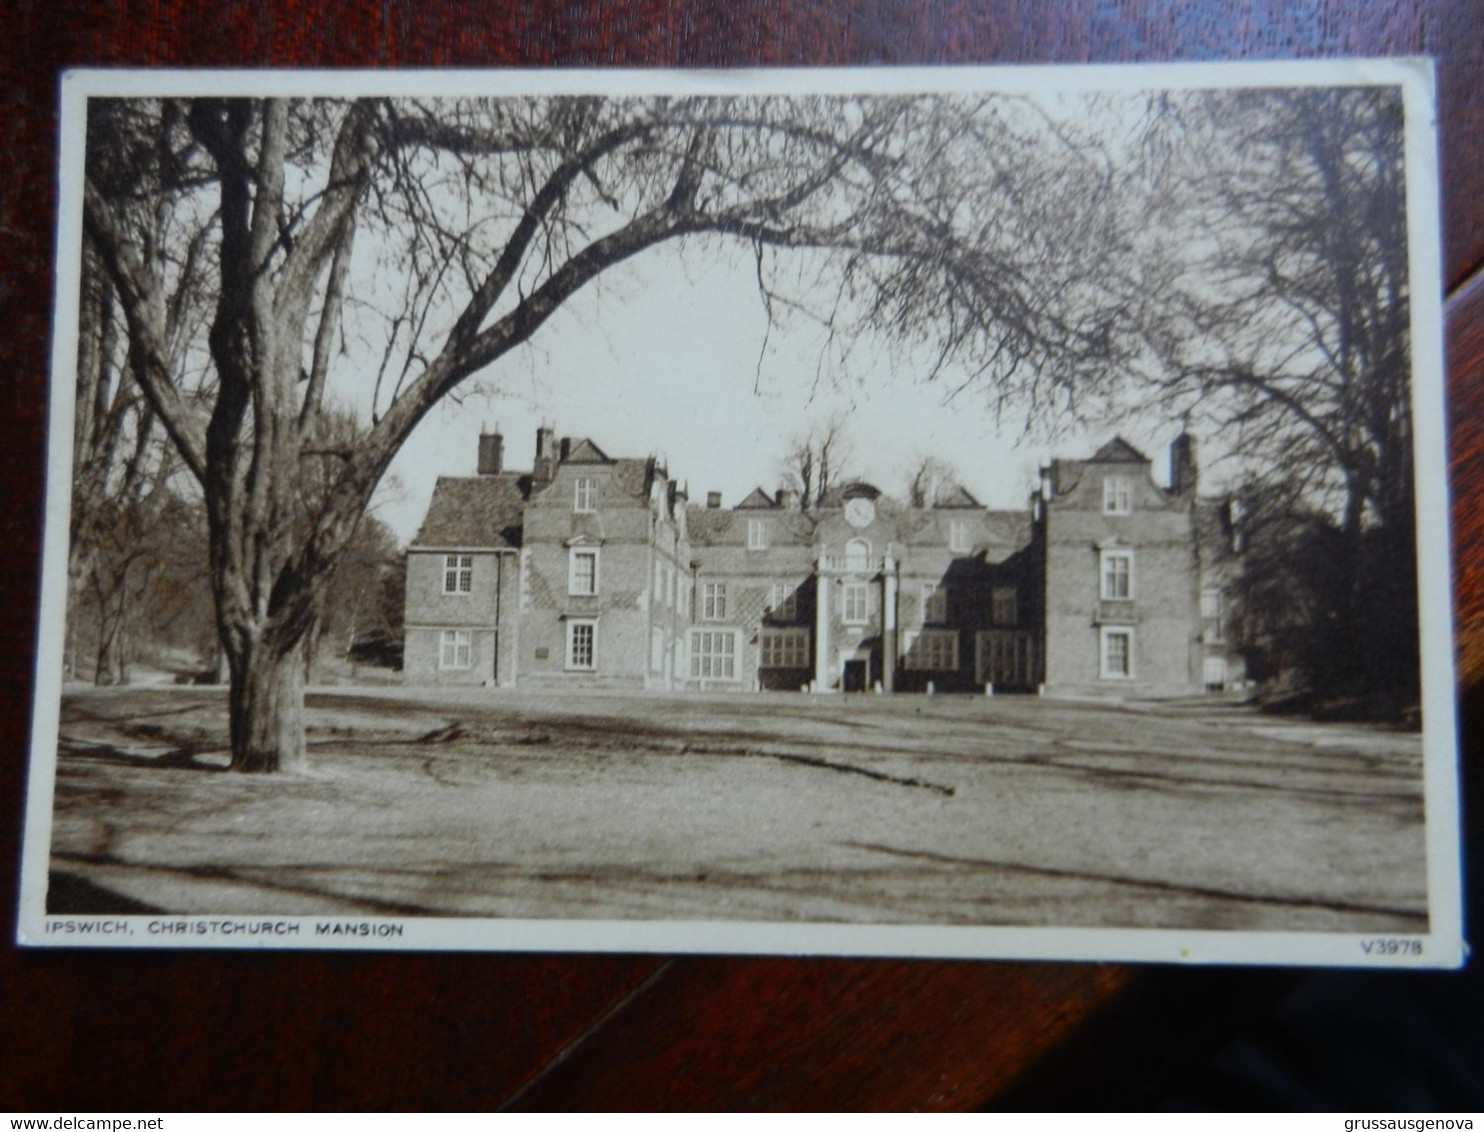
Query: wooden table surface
[157,1031]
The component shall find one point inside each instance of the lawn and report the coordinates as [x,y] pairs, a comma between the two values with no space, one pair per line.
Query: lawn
[907,809]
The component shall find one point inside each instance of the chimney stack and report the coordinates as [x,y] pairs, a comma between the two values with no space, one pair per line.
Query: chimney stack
[491,453]
[544,469]
[713,500]
[788,499]
[566,448]
[1183,471]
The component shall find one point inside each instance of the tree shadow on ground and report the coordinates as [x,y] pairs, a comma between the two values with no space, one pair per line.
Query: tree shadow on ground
[182,757]
[67,893]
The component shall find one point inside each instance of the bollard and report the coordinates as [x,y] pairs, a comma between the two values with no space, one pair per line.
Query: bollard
[930,688]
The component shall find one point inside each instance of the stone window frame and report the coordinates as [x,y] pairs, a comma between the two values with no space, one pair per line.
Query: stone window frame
[458,574]
[1118,495]
[573,576]
[925,651]
[577,628]
[1107,671]
[706,657]
[784,648]
[1107,575]
[456,650]
[585,495]
[783,601]
[713,601]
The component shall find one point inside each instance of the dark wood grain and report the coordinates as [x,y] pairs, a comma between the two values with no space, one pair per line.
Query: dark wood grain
[1465,341]
[162,1031]
[824,1034]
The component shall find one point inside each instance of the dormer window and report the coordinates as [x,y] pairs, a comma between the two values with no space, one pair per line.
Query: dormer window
[958,536]
[1117,495]
[757,534]
[585,495]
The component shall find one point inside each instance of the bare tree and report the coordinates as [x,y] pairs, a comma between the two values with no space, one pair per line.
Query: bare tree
[1284,328]
[472,222]
[930,480]
[121,484]
[816,462]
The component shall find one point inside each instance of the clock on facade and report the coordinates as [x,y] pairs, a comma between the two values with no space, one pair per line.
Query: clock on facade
[859,512]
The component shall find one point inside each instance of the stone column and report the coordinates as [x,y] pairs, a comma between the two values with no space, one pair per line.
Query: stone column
[821,627]
[888,623]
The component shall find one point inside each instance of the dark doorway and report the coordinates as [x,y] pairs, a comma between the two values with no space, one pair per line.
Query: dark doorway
[855,675]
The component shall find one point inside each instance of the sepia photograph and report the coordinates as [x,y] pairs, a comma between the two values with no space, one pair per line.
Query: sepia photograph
[958,512]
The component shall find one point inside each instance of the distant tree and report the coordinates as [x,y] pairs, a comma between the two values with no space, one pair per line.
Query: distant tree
[354,605]
[123,466]
[1280,259]
[122,471]
[817,461]
[931,479]
[966,229]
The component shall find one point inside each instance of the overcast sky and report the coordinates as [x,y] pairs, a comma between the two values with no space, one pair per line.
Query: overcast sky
[664,359]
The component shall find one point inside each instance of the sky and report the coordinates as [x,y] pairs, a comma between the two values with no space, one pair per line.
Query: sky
[674,357]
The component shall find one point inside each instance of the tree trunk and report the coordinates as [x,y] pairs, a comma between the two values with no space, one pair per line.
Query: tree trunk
[110,668]
[267,712]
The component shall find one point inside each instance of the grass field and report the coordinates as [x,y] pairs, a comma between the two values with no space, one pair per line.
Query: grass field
[908,809]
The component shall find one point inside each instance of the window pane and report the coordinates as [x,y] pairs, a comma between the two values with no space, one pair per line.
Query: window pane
[580,648]
[713,654]
[1118,653]
[1117,575]
[584,572]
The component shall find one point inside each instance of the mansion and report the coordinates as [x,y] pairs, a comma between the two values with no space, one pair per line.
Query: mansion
[594,571]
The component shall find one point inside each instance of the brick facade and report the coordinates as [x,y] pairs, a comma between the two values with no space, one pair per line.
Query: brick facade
[591,571]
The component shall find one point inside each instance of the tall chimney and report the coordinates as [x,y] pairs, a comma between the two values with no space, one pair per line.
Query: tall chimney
[544,469]
[491,453]
[566,448]
[1183,470]
[713,500]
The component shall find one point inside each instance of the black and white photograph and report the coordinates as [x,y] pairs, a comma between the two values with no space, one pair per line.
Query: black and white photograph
[956,512]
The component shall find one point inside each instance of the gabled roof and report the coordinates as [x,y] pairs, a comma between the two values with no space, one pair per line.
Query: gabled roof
[584,451]
[633,476]
[705,523]
[1118,451]
[474,512]
[956,497]
[758,499]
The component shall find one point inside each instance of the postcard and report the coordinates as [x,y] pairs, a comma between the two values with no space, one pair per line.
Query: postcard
[931,512]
